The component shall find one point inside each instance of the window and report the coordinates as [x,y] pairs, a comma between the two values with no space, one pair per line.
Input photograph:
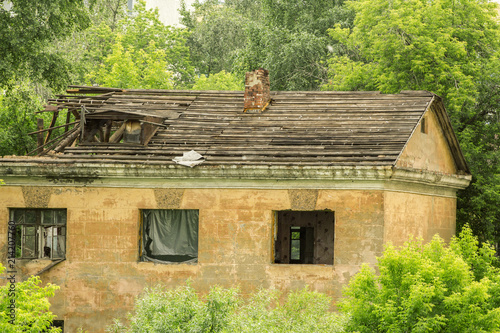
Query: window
[304,237]
[40,233]
[58,324]
[169,236]
[423,125]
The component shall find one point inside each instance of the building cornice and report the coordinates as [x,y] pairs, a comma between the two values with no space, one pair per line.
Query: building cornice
[263,177]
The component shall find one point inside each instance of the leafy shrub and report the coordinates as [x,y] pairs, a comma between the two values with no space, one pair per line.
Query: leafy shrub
[31,306]
[224,310]
[427,288]
[303,311]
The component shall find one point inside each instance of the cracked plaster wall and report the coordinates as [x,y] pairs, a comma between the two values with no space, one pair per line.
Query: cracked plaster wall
[102,276]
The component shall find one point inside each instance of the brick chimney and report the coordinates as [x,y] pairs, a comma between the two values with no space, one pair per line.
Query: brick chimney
[257,90]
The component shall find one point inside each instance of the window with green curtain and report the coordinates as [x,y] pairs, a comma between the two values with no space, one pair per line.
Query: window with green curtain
[169,235]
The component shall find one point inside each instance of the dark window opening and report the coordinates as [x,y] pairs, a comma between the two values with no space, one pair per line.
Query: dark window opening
[304,237]
[40,233]
[169,235]
[58,324]
[423,125]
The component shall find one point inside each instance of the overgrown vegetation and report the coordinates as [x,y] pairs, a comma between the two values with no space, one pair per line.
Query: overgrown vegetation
[224,310]
[427,288]
[31,305]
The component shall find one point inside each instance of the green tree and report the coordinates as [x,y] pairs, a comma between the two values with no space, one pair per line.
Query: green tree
[217,32]
[18,105]
[289,38]
[450,48]
[219,81]
[108,12]
[224,310]
[141,53]
[26,29]
[32,312]
[427,288]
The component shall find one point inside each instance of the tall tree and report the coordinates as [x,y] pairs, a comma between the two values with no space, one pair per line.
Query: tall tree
[287,37]
[142,53]
[448,47]
[217,32]
[26,28]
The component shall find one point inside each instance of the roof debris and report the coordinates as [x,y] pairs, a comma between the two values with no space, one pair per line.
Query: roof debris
[190,159]
[307,128]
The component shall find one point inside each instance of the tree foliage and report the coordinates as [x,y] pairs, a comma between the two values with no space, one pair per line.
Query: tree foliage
[224,310]
[31,306]
[289,38]
[217,32]
[428,288]
[18,105]
[440,45]
[26,29]
[219,81]
[447,47]
[143,53]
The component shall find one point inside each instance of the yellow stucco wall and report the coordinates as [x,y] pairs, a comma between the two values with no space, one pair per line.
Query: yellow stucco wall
[428,151]
[102,275]
[419,215]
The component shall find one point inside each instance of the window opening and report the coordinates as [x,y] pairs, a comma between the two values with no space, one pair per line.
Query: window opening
[295,247]
[301,245]
[40,233]
[423,125]
[169,235]
[58,324]
[304,237]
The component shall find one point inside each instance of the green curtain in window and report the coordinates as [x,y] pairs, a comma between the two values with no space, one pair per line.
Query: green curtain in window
[170,236]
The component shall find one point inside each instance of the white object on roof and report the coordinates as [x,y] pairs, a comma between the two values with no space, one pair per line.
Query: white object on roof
[189,159]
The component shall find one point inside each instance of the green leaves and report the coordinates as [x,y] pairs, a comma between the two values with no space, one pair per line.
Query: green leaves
[219,81]
[18,105]
[144,54]
[415,45]
[31,306]
[224,310]
[427,288]
[27,28]
[289,38]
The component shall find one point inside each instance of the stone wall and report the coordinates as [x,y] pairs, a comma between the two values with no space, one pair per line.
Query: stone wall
[101,275]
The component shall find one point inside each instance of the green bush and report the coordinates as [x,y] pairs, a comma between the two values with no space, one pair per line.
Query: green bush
[24,307]
[427,288]
[224,310]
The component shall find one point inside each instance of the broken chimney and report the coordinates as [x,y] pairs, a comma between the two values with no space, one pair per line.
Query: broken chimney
[257,90]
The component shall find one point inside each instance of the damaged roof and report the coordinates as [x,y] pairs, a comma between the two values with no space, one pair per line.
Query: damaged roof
[297,128]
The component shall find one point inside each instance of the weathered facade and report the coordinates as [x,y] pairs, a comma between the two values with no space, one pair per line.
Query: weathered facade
[299,191]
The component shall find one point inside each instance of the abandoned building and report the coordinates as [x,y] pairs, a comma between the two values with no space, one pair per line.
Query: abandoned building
[254,188]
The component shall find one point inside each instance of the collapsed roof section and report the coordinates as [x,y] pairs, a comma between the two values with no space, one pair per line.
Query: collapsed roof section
[297,128]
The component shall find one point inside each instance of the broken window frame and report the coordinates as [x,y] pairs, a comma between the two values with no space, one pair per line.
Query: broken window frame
[307,238]
[171,233]
[38,232]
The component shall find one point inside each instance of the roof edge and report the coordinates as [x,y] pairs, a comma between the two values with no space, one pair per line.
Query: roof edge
[436,103]
[445,122]
[31,173]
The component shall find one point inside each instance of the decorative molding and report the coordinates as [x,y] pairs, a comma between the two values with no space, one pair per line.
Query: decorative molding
[36,197]
[263,177]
